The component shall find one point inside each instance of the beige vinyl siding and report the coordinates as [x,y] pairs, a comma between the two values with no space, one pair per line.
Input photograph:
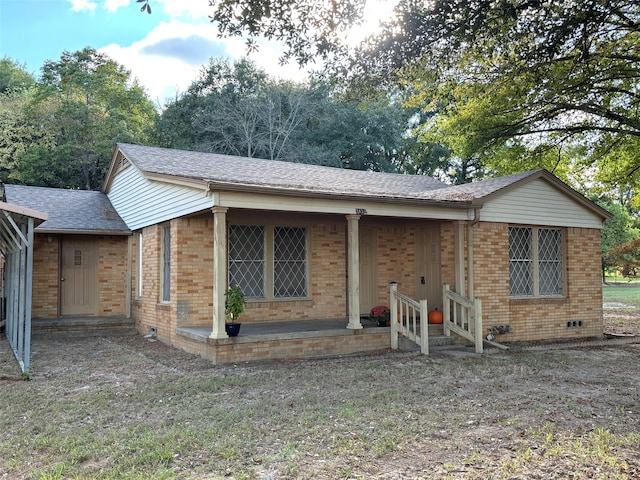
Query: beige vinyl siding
[153,202]
[539,203]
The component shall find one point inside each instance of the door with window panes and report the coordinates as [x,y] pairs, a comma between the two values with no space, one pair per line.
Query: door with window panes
[78,278]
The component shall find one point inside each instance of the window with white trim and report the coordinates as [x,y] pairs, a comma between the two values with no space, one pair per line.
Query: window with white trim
[166,264]
[268,261]
[536,266]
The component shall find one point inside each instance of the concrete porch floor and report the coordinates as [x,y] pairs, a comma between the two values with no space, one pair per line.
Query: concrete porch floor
[284,329]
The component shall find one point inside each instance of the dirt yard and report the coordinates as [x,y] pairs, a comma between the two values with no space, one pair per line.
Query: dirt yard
[126,407]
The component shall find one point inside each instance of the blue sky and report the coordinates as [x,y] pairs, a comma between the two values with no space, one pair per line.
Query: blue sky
[164,50]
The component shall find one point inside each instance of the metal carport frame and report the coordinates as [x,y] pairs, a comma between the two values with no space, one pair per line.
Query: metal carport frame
[16,246]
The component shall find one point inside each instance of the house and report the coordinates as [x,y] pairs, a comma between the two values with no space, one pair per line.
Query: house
[310,246]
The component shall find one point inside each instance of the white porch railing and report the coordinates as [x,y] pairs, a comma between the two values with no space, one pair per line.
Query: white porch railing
[408,318]
[462,316]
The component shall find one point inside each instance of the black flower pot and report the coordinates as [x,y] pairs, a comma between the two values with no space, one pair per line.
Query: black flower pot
[232,329]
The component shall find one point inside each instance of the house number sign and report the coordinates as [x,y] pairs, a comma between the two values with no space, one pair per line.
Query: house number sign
[361,211]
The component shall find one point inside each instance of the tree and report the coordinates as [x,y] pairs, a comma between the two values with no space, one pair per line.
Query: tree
[238,109]
[618,236]
[13,76]
[84,103]
[626,258]
[19,130]
[538,73]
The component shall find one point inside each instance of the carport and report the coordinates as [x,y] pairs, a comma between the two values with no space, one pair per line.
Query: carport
[16,246]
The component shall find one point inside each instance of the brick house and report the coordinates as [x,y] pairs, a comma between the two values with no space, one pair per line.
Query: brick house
[310,245]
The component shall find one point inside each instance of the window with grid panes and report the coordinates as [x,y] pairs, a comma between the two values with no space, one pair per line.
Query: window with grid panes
[289,262]
[536,266]
[246,245]
[268,261]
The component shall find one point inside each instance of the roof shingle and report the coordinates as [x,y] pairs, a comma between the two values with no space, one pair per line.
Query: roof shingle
[69,210]
[298,177]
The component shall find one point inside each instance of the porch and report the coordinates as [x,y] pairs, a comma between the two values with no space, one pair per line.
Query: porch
[295,339]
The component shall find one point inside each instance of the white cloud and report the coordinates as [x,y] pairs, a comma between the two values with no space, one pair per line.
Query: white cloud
[186,9]
[113,5]
[83,5]
[164,69]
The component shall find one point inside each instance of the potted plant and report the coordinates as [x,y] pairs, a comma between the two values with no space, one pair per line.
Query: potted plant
[233,306]
[380,314]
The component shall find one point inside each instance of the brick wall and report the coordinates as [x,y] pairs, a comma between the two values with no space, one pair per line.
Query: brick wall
[247,349]
[112,275]
[396,255]
[111,269]
[540,318]
[46,276]
[147,309]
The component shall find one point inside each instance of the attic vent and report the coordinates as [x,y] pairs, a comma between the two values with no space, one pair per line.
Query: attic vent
[123,163]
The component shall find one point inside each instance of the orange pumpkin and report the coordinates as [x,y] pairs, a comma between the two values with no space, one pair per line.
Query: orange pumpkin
[435,316]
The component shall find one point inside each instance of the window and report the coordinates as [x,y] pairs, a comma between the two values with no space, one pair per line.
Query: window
[289,262]
[166,264]
[535,262]
[268,261]
[247,259]
[139,267]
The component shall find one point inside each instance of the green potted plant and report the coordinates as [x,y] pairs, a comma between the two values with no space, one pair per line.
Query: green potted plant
[233,306]
[380,314]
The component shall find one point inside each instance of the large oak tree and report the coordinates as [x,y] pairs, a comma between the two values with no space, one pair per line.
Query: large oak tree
[540,76]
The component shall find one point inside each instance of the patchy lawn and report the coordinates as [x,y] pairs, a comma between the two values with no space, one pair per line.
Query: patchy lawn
[126,407]
[621,313]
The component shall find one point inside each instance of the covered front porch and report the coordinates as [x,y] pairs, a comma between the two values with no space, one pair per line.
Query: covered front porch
[295,339]
[349,263]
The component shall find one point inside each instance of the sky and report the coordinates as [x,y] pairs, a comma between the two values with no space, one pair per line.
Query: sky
[164,50]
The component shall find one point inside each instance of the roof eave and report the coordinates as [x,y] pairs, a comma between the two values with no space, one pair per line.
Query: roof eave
[68,231]
[246,188]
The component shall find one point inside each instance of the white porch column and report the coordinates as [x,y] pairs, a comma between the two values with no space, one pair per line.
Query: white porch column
[219,270]
[353,270]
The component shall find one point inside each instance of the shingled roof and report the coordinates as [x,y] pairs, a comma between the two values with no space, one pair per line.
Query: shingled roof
[69,211]
[255,173]
[232,171]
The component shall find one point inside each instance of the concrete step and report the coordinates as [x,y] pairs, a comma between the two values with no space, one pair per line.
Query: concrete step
[434,341]
[83,326]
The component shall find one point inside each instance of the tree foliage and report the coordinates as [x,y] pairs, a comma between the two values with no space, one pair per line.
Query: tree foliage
[64,130]
[238,109]
[500,77]
[626,258]
[13,76]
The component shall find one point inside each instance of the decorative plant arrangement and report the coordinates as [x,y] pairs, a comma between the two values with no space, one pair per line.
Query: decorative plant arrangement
[233,306]
[380,314]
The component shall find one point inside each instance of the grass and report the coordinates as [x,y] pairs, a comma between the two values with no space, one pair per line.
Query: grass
[128,408]
[626,295]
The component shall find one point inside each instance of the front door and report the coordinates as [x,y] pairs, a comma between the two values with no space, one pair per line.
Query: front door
[368,271]
[78,279]
[428,280]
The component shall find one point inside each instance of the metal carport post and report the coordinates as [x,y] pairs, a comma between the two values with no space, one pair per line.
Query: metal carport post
[17,226]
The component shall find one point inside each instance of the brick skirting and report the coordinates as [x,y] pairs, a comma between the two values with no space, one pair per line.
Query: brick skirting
[328,343]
